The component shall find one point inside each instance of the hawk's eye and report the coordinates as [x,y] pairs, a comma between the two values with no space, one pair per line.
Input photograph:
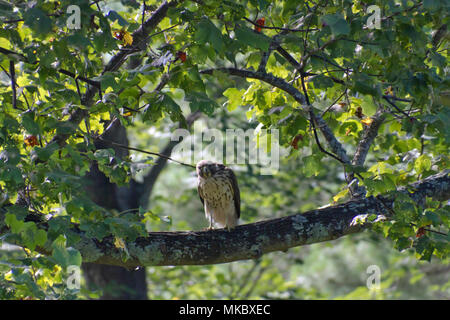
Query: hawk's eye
[206,172]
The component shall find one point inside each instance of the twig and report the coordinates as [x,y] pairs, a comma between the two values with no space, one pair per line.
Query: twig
[78,91]
[23,93]
[19,56]
[390,97]
[143,13]
[334,102]
[396,107]
[144,151]
[13,83]
[278,28]
[318,141]
[77,77]
[245,280]
[312,121]
[254,282]
[319,49]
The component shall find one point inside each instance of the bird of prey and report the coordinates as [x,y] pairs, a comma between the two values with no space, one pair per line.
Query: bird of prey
[219,192]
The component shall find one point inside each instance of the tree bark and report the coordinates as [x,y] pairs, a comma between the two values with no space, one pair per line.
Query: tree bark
[115,282]
[250,241]
[246,241]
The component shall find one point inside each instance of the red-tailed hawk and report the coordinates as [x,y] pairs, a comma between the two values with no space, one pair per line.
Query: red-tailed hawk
[219,192]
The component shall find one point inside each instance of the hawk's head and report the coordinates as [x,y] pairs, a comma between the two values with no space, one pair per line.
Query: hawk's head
[206,169]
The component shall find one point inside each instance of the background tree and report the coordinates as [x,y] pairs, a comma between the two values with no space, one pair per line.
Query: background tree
[362,117]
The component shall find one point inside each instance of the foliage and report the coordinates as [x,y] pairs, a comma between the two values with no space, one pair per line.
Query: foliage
[324,52]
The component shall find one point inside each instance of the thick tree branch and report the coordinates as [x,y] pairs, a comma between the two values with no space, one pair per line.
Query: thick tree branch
[370,133]
[265,77]
[334,144]
[248,241]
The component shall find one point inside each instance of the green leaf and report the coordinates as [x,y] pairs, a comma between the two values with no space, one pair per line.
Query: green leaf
[107,80]
[15,225]
[311,166]
[200,101]
[160,101]
[78,41]
[322,82]
[340,195]
[10,156]
[95,230]
[29,124]
[234,98]
[45,153]
[65,127]
[424,248]
[337,24]
[113,16]
[432,5]
[207,32]
[368,106]
[364,84]
[252,38]
[433,217]
[33,237]
[422,163]
[65,256]
[38,21]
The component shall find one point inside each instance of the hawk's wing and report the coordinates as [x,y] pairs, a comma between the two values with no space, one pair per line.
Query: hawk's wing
[236,192]
[199,189]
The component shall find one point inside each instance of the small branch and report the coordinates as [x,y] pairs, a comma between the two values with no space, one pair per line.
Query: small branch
[312,118]
[13,54]
[396,98]
[289,58]
[235,293]
[144,151]
[79,91]
[368,137]
[278,28]
[305,58]
[144,6]
[395,106]
[77,77]
[316,137]
[402,12]
[264,58]
[334,102]
[332,63]
[13,83]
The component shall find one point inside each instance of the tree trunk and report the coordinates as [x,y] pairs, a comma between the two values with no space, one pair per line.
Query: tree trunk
[113,281]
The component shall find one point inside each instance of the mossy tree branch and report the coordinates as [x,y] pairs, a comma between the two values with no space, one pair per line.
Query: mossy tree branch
[248,241]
